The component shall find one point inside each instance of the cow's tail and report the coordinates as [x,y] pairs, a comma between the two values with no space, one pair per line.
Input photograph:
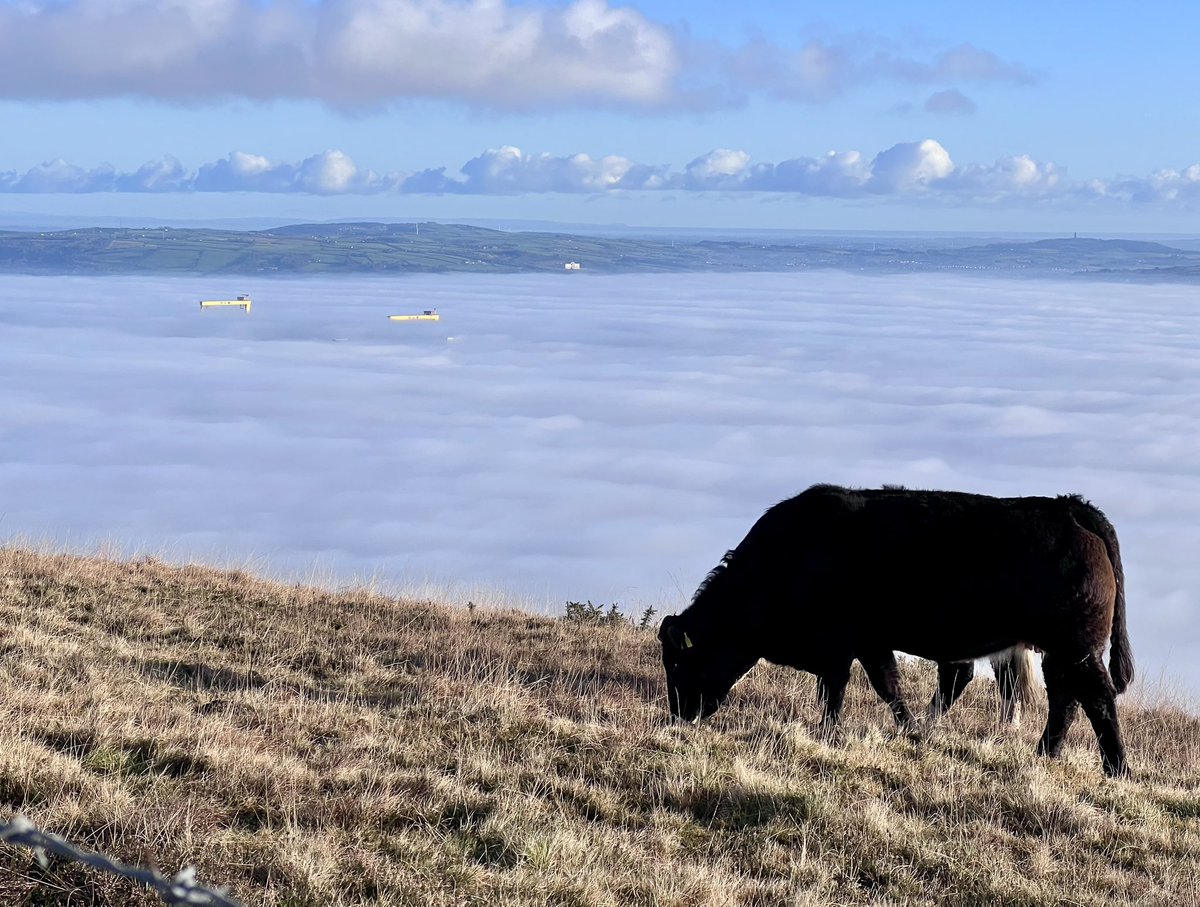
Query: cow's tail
[1021,659]
[1014,670]
[1120,654]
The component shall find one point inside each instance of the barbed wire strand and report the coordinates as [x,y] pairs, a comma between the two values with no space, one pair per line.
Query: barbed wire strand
[182,889]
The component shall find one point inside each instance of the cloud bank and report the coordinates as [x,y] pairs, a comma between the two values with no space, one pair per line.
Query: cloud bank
[824,69]
[566,437]
[354,54]
[950,101]
[922,170]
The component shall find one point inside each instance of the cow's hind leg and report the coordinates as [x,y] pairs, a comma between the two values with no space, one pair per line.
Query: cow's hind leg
[953,677]
[884,674]
[1099,701]
[1062,704]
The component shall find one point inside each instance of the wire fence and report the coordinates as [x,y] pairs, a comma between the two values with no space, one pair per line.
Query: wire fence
[182,889]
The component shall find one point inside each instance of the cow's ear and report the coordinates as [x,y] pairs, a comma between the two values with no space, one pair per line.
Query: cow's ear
[679,639]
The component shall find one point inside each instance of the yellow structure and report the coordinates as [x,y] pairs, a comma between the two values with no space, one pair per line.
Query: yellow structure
[242,302]
[427,315]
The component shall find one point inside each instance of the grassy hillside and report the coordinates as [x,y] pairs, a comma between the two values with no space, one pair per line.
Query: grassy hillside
[305,747]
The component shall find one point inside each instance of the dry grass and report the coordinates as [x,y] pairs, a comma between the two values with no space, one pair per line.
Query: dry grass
[306,747]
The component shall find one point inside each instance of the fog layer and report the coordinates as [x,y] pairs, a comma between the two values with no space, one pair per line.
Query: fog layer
[570,437]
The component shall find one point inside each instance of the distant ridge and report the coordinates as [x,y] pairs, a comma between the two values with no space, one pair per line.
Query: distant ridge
[1078,244]
[367,247]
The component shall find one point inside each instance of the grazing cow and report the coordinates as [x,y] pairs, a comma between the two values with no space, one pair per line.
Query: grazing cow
[835,574]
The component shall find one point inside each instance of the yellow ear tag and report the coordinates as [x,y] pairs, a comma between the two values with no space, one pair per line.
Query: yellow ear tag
[687,641]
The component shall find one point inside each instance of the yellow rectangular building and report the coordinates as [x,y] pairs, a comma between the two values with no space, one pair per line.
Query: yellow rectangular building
[242,302]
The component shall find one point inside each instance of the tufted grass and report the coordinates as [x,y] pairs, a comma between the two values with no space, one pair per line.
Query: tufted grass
[309,747]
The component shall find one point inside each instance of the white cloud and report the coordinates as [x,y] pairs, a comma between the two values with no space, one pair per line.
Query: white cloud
[836,174]
[823,69]
[244,172]
[722,168]
[815,72]
[910,167]
[950,101]
[59,176]
[966,62]
[922,170]
[904,168]
[1015,176]
[350,53]
[329,173]
[1163,186]
[506,54]
[164,175]
[508,169]
[606,437]
[496,53]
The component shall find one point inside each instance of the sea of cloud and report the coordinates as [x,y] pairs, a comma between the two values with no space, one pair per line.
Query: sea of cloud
[573,436]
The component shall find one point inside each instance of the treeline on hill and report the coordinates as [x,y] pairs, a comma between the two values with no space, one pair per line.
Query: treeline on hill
[312,747]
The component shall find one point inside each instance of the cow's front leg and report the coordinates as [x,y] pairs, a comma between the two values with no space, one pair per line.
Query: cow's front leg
[884,674]
[831,691]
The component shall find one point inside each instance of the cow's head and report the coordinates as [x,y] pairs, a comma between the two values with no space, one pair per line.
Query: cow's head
[700,670]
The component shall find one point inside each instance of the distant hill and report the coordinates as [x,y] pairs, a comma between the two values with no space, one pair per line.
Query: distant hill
[376,248]
[1103,246]
[1126,259]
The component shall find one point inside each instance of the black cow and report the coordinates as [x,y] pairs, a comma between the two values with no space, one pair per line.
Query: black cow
[834,574]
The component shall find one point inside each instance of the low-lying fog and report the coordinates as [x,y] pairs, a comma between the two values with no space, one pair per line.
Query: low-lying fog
[570,437]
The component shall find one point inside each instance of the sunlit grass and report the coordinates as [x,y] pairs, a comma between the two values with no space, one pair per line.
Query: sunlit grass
[311,747]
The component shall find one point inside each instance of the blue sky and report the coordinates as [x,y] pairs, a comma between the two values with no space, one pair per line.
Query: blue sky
[940,116]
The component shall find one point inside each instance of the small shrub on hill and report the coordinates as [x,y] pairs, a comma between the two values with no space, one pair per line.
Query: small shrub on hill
[610,615]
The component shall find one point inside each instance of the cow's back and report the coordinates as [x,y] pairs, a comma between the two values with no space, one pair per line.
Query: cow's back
[940,574]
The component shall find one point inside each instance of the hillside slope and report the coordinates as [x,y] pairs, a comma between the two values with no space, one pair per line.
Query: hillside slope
[306,747]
